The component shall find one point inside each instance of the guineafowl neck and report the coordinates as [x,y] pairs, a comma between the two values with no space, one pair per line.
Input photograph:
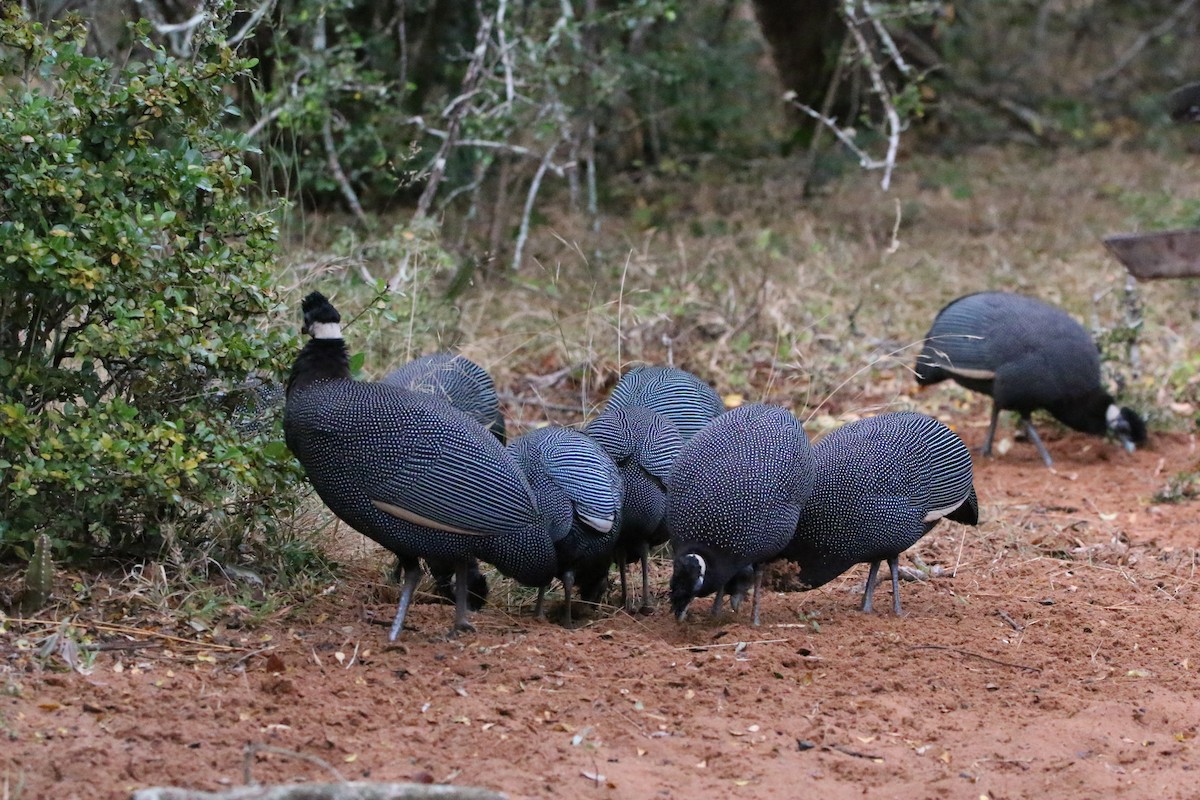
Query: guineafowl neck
[320,360]
[1087,414]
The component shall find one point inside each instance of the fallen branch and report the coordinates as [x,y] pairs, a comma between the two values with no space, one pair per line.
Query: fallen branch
[975,655]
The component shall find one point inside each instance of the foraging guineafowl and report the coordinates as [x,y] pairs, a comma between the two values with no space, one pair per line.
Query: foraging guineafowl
[644,445]
[733,500]
[459,381]
[409,471]
[1027,355]
[881,484]
[675,393]
[462,383]
[579,494]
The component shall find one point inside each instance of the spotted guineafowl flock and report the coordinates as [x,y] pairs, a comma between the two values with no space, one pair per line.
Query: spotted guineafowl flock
[417,463]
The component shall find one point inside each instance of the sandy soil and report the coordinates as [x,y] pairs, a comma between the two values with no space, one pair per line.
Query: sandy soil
[1060,660]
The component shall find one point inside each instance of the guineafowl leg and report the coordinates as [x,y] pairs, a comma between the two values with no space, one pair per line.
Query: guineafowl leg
[539,609]
[462,593]
[758,578]
[619,555]
[872,579]
[716,606]
[568,582]
[644,557]
[1037,441]
[412,576]
[894,566]
[991,434]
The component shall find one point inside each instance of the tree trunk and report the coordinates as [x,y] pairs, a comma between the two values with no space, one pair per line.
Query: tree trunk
[805,37]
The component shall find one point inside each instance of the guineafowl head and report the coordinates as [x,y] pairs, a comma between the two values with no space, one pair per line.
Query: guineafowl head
[321,319]
[687,581]
[1127,425]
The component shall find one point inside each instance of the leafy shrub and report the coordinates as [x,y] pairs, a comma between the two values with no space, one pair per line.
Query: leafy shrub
[135,282]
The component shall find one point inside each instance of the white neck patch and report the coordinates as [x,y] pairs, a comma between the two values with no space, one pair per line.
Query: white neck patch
[325,330]
[1112,414]
[703,568]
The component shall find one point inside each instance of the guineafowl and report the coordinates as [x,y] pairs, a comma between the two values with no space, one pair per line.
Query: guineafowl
[1027,355]
[468,387]
[881,484]
[733,499]
[675,393]
[644,445]
[409,471]
[579,494]
[459,381]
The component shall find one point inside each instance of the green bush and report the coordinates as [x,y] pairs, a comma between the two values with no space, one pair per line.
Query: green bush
[135,284]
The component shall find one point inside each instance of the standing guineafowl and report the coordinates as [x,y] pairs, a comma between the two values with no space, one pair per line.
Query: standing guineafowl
[733,500]
[578,492]
[409,471]
[1026,355]
[881,484]
[675,393]
[644,445]
[459,381]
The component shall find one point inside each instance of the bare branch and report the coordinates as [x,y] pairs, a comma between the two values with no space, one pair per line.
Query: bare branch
[251,23]
[1159,30]
[530,197]
[470,81]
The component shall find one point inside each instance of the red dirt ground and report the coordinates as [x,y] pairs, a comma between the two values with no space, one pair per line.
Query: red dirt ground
[1060,661]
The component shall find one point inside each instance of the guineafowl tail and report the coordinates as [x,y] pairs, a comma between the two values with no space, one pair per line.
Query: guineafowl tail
[968,512]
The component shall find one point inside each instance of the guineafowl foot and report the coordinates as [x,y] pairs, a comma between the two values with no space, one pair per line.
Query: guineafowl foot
[460,626]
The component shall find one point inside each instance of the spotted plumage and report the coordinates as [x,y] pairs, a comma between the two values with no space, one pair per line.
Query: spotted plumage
[644,445]
[459,381]
[579,494]
[733,499]
[1027,355]
[881,484]
[675,393]
[408,470]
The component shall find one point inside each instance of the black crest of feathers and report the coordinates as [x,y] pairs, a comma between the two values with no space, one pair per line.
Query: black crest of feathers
[1026,355]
